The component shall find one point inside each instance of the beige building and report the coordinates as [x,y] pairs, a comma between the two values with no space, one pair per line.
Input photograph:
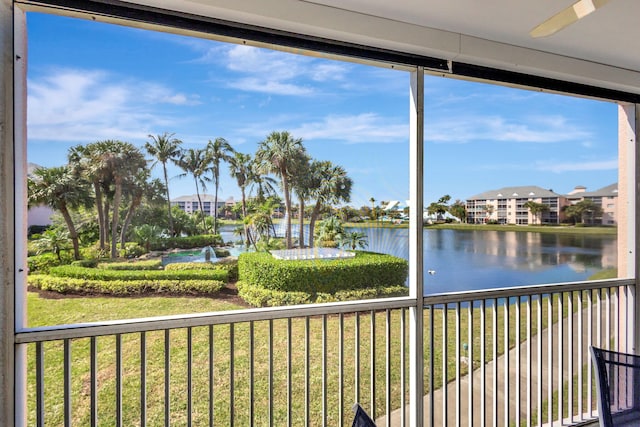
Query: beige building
[190,204]
[508,205]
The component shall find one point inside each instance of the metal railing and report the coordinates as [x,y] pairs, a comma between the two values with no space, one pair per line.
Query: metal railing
[515,356]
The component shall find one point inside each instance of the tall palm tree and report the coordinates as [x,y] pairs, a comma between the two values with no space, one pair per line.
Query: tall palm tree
[240,169]
[164,148]
[218,151]
[277,154]
[124,162]
[303,185]
[330,185]
[60,189]
[193,162]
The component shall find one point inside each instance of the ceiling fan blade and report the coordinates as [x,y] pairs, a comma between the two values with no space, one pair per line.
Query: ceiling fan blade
[566,17]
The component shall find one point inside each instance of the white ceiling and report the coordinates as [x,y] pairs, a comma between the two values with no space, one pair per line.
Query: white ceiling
[610,35]
[602,49]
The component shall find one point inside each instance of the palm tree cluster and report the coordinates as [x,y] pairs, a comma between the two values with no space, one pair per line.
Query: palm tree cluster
[113,178]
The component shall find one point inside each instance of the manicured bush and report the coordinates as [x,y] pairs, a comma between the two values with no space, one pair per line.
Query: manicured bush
[365,270]
[230,266]
[260,297]
[189,242]
[42,263]
[151,264]
[88,263]
[124,287]
[104,274]
[132,250]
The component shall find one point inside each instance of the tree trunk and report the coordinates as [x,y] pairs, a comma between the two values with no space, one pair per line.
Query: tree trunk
[204,224]
[301,220]
[166,183]
[215,206]
[287,208]
[312,222]
[101,223]
[244,217]
[115,217]
[73,234]
[135,202]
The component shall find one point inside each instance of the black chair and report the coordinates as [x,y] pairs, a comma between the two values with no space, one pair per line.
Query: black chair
[618,385]
[361,419]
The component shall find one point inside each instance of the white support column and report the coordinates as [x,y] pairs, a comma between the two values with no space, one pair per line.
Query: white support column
[20,212]
[7,223]
[416,196]
[628,221]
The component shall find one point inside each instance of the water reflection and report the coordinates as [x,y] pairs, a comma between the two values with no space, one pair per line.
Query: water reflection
[474,259]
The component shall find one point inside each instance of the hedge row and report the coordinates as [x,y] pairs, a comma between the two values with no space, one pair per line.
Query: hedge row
[189,242]
[70,271]
[261,297]
[124,287]
[365,270]
[230,266]
[151,264]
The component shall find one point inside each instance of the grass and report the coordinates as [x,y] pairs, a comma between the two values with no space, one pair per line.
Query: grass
[71,310]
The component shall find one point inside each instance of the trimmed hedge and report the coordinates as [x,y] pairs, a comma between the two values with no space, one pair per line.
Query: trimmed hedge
[230,266]
[124,287]
[151,264]
[189,242]
[261,297]
[70,271]
[365,270]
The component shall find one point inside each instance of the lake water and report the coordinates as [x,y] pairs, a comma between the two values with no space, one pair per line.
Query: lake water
[474,259]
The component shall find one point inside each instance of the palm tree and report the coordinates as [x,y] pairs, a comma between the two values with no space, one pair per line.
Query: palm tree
[146,235]
[60,189]
[330,232]
[193,161]
[53,240]
[164,148]
[240,169]
[373,208]
[331,185]
[303,185]
[277,155]
[218,151]
[354,240]
[123,162]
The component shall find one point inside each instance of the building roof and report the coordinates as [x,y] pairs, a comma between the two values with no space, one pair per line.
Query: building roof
[608,191]
[194,198]
[515,192]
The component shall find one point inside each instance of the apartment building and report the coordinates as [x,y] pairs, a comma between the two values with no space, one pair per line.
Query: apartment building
[190,204]
[508,205]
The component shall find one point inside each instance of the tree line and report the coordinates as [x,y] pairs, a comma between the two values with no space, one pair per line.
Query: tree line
[111,179]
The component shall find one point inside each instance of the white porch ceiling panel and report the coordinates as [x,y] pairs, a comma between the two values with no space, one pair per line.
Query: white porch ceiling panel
[601,49]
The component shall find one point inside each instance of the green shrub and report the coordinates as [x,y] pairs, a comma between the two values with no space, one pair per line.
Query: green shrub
[132,250]
[180,266]
[93,252]
[151,264]
[43,263]
[88,263]
[124,287]
[189,242]
[70,271]
[230,266]
[365,270]
[261,297]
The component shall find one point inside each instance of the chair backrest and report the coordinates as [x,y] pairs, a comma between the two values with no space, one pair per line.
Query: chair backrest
[361,419]
[618,386]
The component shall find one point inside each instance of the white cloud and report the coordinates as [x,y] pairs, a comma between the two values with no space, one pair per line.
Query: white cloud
[74,105]
[461,129]
[579,166]
[274,72]
[360,128]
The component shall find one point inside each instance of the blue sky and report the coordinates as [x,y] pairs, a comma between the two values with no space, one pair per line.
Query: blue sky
[89,81]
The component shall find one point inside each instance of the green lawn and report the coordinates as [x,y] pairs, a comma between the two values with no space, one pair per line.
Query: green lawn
[70,310]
